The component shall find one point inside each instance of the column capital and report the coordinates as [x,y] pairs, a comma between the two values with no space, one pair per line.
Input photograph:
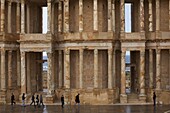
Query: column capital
[67,51]
[49,1]
[110,51]
[150,1]
[95,51]
[9,2]
[22,1]
[81,51]
[158,51]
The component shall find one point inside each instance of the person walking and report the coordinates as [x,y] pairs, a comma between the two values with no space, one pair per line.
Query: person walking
[33,100]
[12,99]
[62,101]
[41,100]
[23,99]
[154,99]
[77,99]
[37,100]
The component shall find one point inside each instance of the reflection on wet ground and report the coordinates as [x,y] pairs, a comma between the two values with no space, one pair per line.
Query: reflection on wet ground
[86,109]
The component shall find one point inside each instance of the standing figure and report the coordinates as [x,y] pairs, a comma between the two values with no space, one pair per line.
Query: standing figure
[37,100]
[62,101]
[12,99]
[77,99]
[154,98]
[41,100]
[33,100]
[23,99]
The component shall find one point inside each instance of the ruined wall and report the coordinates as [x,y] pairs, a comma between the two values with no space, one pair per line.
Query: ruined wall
[74,68]
[88,15]
[164,15]
[88,69]
[102,15]
[74,15]
[103,69]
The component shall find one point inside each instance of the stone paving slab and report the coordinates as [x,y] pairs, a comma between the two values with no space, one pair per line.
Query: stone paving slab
[86,109]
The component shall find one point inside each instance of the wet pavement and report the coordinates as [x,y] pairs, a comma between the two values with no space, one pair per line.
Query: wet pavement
[86,109]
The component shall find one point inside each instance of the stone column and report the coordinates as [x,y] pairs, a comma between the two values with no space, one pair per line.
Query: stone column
[60,68]
[95,68]
[66,15]
[29,60]
[169,67]
[150,16]
[122,15]
[141,16]
[10,69]
[52,17]
[80,15]
[151,68]
[158,72]
[22,16]
[49,16]
[3,70]
[114,68]
[18,18]
[110,78]
[95,15]
[59,16]
[18,69]
[169,14]
[23,72]
[109,4]
[142,72]
[67,68]
[2,15]
[81,68]
[28,18]
[113,15]
[123,75]
[157,15]
[50,79]
[9,17]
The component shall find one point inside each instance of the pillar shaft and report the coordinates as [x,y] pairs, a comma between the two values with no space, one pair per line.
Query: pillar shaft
[142,72]
[157,15]
[141,16]
[158,72]
[113,15]
[169,14]
[3,72]
[29,60]
[110,78]
[22,16]
[122,15]
[9,69]
[18,69]
[80,15]
[150,16]
[9,17]
[52,17]
[23,72]
[67,68]
[60,68]
[151,68]
[49,16]
[123,76]
[18,18]
[169,67]
[81,68]
[114,69]
[28,18]
[2,15]
[95,16]
[109,4]
[66,15]
[59,16]
[95,68]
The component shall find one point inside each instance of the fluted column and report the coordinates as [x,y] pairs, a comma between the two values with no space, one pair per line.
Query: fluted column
[95,68]
[110,78]
[158,72]
[81,67]
[142,72]
[80,15]
[109,4]
[22,16]
[122,15]
[2,15]
[113,15]
[10,69]
[150,16]
[151,68]
[9,17]
[141,16]
[114,68]
[66,15]
[18,18]
[157,15]
[60,68]
[18,69]
[3,70]
[67,68]
[95,15]
[23,72]
[28,18]
[49,16]
[59,16]
[123,76]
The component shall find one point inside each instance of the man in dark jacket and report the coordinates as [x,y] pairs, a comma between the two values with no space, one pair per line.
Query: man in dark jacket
[12,99]
[33,100]
[154,98]
[62,101]
[77,99]
[23,99]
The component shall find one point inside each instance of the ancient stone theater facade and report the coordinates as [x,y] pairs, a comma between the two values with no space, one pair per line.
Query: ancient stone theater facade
[86,45]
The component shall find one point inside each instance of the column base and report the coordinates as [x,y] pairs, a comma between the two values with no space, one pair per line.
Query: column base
[142,98]
[123,98]
[50,98]
[3,97]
